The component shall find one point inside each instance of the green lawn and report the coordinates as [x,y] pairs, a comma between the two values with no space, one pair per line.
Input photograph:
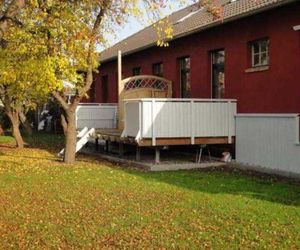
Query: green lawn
[7,140]
[45,204]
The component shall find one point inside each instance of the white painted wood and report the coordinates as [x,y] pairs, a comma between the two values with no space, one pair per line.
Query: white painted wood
[96,116]
[182,118]
[132,121]
[82,141]
[296,27]
[192,123]
[270,141]
[82,132]
[153,117]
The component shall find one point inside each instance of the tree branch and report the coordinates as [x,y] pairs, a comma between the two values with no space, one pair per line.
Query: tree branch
[61,100]
[89,74]
[10,14]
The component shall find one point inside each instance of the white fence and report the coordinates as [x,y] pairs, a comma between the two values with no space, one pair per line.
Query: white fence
[270,141]
[96,115]
[179,118]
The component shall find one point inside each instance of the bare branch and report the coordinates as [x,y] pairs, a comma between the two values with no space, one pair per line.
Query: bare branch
[61,100]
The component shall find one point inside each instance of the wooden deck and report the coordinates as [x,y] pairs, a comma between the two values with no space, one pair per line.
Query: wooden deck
[114,135]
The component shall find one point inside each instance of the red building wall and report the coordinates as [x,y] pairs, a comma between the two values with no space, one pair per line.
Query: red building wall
[276,90]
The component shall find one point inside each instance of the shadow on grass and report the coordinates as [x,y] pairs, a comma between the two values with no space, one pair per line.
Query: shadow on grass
[51,158]
[231,181]
[52,143]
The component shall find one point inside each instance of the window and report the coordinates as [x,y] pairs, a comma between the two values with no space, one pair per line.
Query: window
[185,77]
[260,53]
[158,69]
[218,73]
[104,88]
[136,71]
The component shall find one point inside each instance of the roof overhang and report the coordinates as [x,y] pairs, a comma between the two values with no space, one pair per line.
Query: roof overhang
[215,24]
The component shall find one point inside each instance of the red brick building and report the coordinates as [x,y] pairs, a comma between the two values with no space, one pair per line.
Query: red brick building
[252,55]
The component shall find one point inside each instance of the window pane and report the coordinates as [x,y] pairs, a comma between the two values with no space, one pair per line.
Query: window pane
[158,69]
[185,63]
[185,77]
[218,57]
[188,63]
[264,59]
[255,47]
[256,61]
[264,45]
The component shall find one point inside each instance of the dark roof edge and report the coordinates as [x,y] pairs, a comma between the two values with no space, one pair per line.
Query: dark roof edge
[209,26]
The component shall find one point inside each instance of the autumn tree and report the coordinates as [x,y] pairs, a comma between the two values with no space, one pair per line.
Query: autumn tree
[24,78]
[64,36]
[71,30]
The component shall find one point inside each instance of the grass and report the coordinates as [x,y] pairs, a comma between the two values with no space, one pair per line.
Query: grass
[7,140]
[92,204]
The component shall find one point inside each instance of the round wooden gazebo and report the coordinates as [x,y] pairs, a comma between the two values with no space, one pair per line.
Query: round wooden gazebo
[142,86]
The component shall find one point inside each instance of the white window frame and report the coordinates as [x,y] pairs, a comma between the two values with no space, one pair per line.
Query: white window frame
[260,53]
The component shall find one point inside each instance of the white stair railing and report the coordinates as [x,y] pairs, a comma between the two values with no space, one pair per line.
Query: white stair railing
[84,136]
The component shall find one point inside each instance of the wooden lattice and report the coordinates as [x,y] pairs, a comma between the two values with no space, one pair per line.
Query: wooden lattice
[149,82]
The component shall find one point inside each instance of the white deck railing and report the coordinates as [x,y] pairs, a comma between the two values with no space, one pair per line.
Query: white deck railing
[179,118]
[96,115]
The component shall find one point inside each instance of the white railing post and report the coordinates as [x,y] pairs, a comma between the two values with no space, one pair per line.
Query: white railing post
[192,122]
[152,122]
[124,133]
[297,130]
[229,122]
[140,119]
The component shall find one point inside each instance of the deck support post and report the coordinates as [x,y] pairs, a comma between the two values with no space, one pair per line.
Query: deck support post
[200,151]
[121,149]
[106,146]
[157,155]
[138,153]
[199,154]
[97,144]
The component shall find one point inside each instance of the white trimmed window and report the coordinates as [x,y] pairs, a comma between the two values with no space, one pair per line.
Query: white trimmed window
[260,52]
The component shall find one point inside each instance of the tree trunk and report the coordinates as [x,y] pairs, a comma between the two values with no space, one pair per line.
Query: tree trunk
[1,130]
[69,124]
[70,138]
[13,115]
[14,119]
